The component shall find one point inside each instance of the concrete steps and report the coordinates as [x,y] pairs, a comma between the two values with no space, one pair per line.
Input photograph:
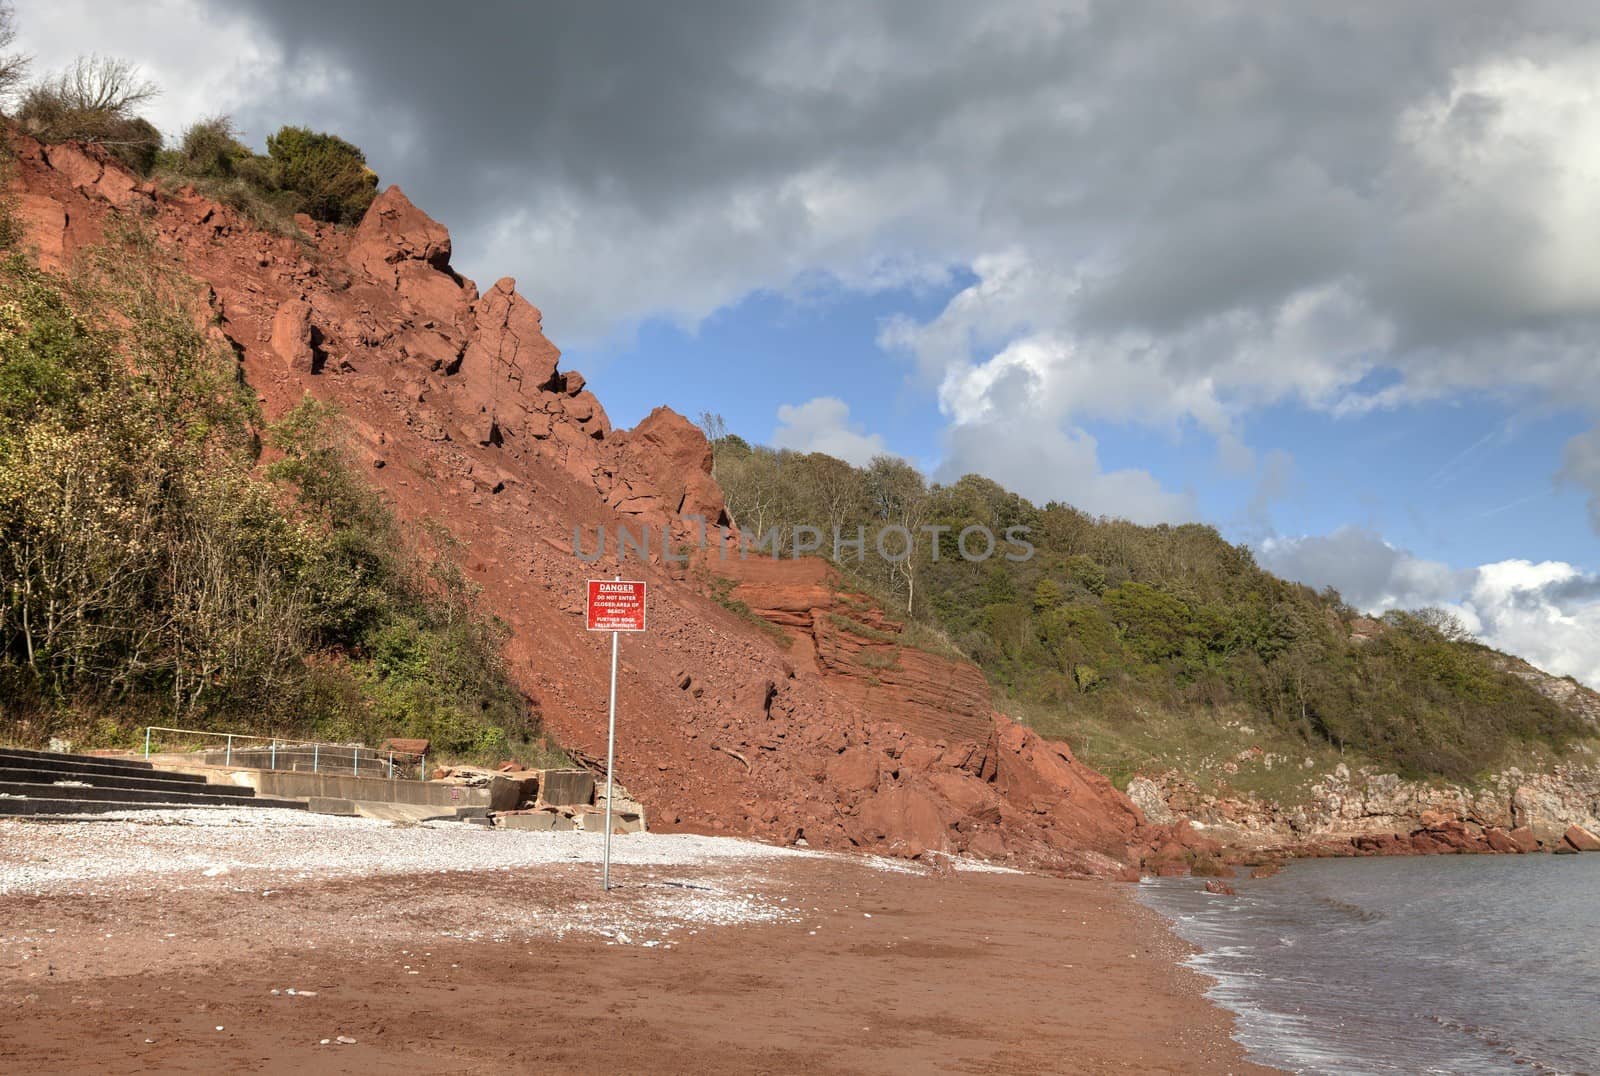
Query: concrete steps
[175,782]
[49,783]
[20,758]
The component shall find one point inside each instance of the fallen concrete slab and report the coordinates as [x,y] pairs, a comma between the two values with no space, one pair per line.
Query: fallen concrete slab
[593,820]
[402,812]
[327,805]
[532,821]
[566,788]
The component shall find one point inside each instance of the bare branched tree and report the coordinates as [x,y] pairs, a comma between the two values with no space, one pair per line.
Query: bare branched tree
[95,100]
[103,84]
[899,498]
[715,427]
[13,65]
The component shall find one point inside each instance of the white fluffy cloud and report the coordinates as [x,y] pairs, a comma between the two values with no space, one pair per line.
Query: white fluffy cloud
[1046,377]
[823,424]
[1458,260]
[1547,613]
[1044,463]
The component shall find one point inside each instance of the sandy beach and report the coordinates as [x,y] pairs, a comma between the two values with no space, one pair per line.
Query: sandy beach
[132,946]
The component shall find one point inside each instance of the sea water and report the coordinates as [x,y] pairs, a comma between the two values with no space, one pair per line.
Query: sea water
[1436,964]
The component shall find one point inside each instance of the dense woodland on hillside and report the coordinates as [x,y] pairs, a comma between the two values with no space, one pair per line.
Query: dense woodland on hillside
[1109,622]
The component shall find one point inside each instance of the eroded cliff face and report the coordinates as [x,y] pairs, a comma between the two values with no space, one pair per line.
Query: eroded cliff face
[1359,810]
[843,737]
[1365,811]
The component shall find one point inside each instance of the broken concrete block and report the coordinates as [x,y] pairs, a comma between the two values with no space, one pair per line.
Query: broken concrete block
[627,822]
[566,788]
[594,821]
[329,805]
[534,821]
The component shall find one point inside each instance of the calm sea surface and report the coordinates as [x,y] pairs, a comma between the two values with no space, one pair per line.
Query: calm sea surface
[1441,964]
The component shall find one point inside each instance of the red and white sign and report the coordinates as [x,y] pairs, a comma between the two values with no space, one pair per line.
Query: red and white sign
[616,605]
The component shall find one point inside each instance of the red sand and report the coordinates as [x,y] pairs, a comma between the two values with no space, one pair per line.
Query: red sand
[979,973]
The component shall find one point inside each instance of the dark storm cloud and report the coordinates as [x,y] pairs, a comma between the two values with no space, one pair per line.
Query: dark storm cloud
[1211,156]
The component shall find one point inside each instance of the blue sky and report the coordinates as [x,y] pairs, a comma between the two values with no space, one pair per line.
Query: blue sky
[1327,280]
[1464,480]
[766,350]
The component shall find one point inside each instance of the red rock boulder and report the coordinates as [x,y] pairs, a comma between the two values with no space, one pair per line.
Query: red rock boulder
[1582,839]
[901,821]
[291,335]
[404,249]
[1500,841]
[1524,839]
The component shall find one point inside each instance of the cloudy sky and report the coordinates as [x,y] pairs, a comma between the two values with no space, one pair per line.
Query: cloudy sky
[1325,276]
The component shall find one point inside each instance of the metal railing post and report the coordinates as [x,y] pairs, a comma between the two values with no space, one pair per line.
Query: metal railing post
[316,746]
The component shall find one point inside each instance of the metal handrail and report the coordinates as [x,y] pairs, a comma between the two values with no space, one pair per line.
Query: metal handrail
[315,745]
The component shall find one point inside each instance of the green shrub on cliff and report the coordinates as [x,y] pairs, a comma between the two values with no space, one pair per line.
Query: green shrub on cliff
[209,149]
[329,175]
[303,171]
[431,660]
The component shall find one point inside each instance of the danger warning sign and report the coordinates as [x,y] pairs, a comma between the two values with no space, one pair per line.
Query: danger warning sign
[616,605]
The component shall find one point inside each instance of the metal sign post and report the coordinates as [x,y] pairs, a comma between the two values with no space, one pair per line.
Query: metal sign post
[615,605]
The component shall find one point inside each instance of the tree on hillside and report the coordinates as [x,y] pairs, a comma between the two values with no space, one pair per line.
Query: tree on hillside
[1445,623]
[754,481]
[95,100]
[899,498]
[715,427]
[13,65]
[835,491]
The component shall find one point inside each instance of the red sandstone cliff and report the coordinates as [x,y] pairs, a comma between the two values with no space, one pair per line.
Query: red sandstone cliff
[458,403]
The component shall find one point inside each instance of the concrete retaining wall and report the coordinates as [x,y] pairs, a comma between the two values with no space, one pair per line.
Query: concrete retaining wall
[501,795]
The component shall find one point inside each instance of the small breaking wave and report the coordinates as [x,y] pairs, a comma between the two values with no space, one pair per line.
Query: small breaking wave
[1497,1041]
[1352,910]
